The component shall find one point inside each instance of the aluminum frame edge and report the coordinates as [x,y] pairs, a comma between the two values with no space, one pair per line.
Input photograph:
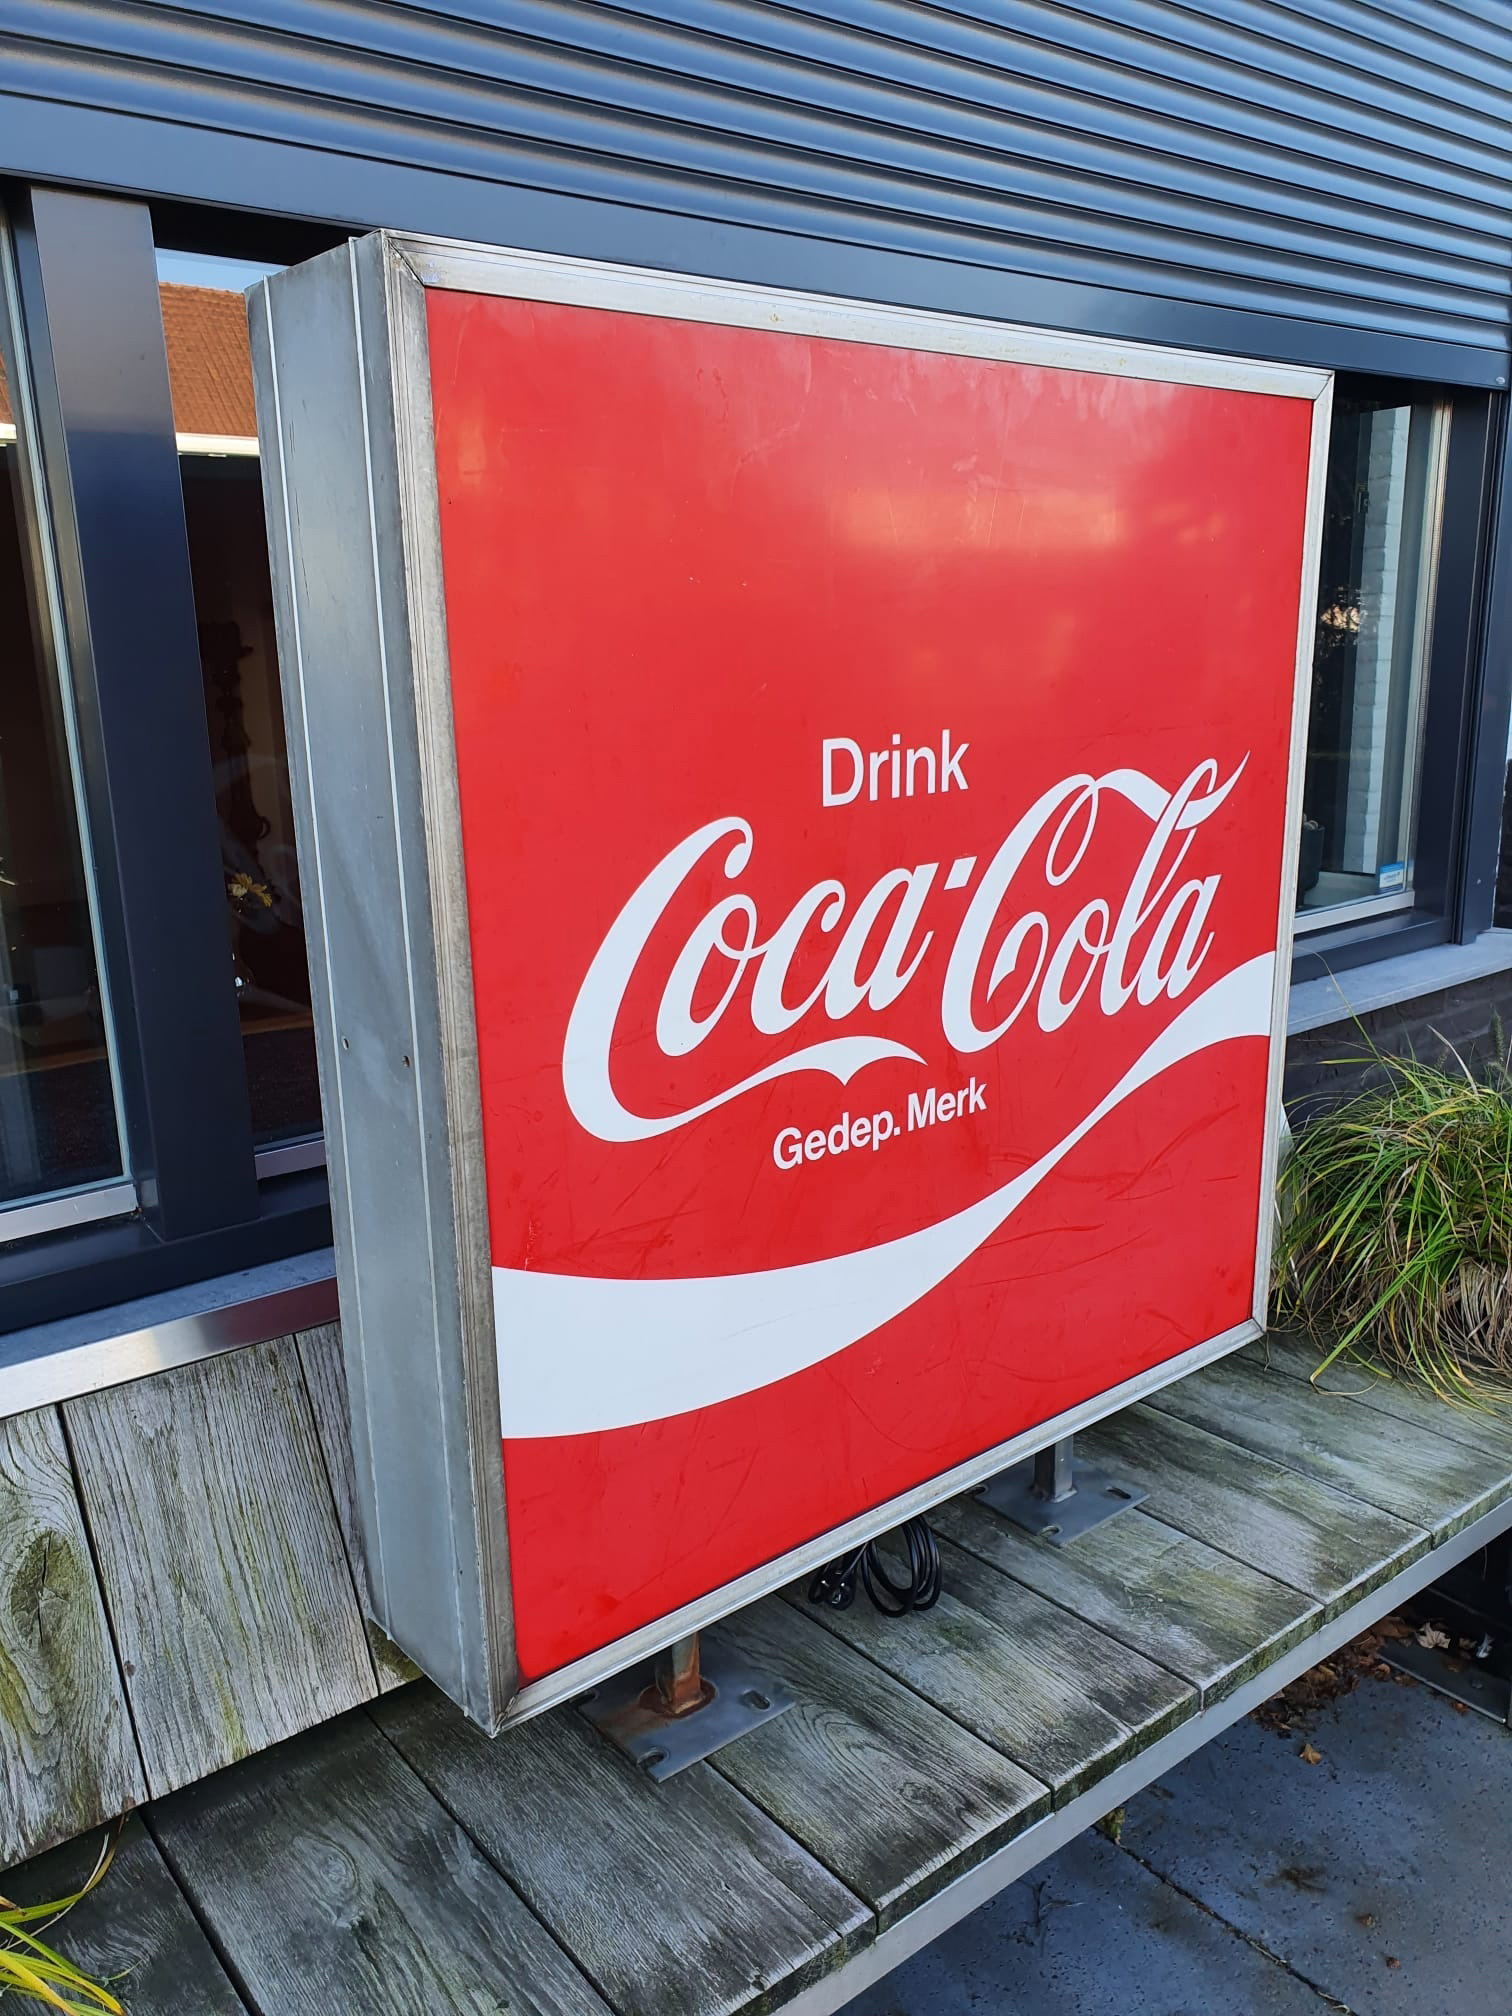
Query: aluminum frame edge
[1307,617]
[276,508]
[476,268]
[442,940]
[332,374]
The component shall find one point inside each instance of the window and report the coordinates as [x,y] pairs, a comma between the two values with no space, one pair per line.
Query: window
[159,1112]
[1375,605]
[59,1125]
[210,373]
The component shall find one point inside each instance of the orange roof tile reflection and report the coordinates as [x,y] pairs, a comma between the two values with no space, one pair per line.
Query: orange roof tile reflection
[209,366]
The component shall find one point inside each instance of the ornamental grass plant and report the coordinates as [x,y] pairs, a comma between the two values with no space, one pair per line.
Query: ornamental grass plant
[1395,1235]
[31,1972]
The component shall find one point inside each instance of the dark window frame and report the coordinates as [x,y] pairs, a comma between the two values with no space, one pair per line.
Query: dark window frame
[107,430]
[1469,696]
[112,511]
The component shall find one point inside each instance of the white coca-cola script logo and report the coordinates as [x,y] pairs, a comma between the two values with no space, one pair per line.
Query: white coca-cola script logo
[684,1341]
[1093,959]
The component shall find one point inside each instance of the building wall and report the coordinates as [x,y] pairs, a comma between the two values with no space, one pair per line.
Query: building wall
[1244,174]
[1471,1022]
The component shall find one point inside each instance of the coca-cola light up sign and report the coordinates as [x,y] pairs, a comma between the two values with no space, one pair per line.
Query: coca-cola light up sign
[823,783]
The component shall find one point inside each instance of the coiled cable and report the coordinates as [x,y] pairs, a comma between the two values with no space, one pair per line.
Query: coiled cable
[835,1584]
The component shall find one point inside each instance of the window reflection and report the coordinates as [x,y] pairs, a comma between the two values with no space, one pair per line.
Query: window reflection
[58,1115]
[205,330]
[1370,660]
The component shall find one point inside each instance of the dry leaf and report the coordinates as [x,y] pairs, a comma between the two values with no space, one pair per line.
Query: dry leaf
[1392,1960]
[1286,1713]
[1432,1639]
[1309,1755]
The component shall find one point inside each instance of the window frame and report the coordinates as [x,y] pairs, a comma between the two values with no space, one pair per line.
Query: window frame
[204,1200]
[104,432]
[1468,678]
[1380,906]
[114,1195]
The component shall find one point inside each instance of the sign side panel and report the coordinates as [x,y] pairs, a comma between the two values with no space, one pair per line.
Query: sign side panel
[277,510]
[1307,628]
[390,1201]
[391,315]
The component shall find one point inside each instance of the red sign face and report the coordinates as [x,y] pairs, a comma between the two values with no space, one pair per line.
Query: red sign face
[873,769]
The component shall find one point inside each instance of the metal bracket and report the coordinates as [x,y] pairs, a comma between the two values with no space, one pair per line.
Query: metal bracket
[1472,1604]
[696,1699]
[1056,1498]
[1473,1685]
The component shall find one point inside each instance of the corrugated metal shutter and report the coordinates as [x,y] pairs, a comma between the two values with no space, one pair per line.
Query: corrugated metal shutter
[1345,162]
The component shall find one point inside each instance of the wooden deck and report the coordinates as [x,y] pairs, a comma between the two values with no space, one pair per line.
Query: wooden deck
[395,1860]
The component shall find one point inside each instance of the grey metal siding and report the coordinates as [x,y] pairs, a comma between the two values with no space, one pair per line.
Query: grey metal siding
[1334,163]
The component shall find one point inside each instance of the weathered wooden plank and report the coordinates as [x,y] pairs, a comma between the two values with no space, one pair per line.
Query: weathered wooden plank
[679,1899]
[1402,1467]
[67,1757]
[891,1794]
[1304,1534]
[336,1882]
[1199,1613]
[1347,1382]
[1056,1695]
[221,1559]
[325,1377]
[136,1931]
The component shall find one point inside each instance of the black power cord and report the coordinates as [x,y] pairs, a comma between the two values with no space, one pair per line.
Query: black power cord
[836,1583]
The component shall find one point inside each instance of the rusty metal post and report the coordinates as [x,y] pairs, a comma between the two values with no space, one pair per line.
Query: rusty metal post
[693,1700]
[680,1685]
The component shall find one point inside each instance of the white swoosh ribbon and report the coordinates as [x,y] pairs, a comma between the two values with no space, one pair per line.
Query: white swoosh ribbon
[580,1353]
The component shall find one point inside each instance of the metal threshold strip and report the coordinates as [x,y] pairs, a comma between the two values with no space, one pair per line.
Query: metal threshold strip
[53,1362]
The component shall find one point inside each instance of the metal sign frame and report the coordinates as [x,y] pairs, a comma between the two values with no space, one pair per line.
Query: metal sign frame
[342,382]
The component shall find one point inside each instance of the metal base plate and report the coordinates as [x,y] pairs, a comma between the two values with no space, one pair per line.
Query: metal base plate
[1470,1682]
[627,1709]
[1097,1497]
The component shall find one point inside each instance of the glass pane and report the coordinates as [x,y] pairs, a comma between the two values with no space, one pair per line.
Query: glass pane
[205,326]
[1365,734]
[58,1115]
